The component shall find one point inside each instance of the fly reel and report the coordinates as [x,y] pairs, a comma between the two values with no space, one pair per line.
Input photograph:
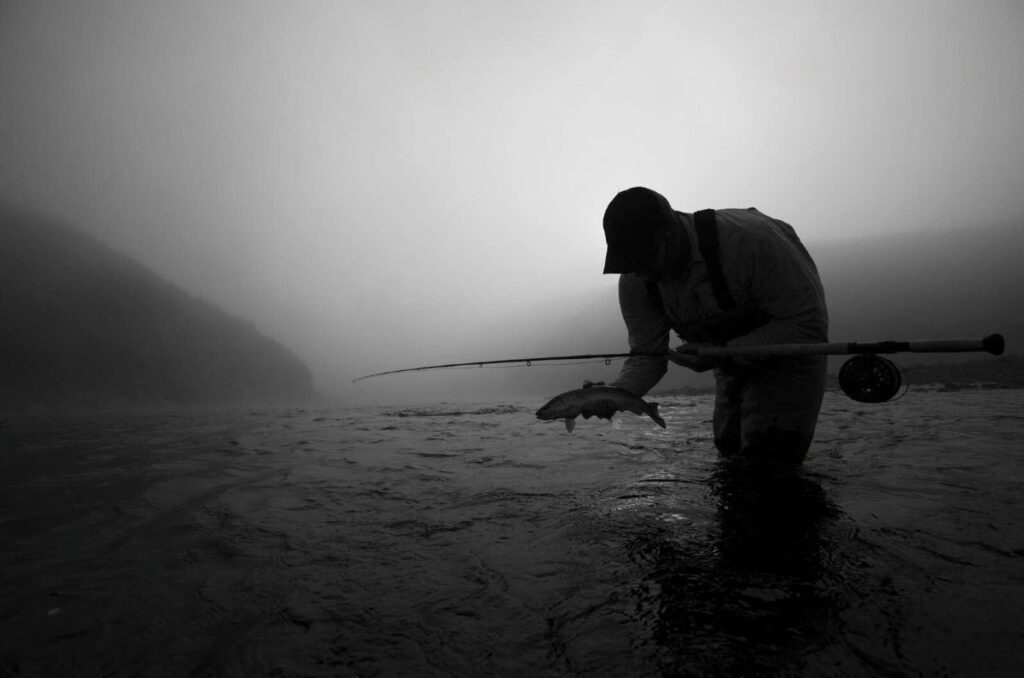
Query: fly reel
[869,378]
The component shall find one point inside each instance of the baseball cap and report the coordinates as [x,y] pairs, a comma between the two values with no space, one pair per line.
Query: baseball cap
[635,224]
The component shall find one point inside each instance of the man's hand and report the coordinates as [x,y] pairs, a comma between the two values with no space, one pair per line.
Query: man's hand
[691,360]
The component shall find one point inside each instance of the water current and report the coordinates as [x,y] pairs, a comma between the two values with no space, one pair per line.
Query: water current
[475,540]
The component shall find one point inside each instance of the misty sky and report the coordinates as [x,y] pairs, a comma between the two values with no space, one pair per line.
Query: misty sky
[380,184]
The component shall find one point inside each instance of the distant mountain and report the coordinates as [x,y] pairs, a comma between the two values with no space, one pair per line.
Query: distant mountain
[82,325]
[952,283]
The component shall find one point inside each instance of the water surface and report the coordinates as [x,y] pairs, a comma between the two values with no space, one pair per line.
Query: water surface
[459,540]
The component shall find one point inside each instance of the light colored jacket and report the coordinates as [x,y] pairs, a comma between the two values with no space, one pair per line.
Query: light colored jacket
[766,268]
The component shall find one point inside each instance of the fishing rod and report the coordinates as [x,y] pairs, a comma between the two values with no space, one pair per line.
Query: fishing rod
[993,343]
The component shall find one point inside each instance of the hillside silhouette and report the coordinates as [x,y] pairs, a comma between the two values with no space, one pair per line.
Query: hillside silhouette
[82,325]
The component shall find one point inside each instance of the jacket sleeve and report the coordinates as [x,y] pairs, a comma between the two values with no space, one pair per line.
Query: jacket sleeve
[784,284]
[648,328]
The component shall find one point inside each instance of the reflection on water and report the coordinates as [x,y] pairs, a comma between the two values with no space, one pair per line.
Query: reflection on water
[747,596]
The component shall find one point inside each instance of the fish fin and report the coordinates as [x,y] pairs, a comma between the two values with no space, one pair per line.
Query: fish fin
[570,424]
[655,416]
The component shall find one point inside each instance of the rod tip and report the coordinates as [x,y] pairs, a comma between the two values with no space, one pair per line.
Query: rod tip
[994,344]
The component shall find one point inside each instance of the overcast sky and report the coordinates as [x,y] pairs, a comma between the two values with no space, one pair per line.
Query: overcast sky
[376,183]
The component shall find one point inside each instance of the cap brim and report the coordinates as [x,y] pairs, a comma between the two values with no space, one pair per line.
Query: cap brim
[617,262]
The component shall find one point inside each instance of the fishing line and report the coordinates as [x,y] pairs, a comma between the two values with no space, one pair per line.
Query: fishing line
[379,404]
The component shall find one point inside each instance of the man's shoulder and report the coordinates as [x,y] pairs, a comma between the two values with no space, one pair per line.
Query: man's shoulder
[746,223]
[748,216]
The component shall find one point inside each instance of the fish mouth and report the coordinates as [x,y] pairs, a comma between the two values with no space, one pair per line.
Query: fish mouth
[548,414]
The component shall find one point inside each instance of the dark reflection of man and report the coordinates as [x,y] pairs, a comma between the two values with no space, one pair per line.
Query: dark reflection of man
[748,597]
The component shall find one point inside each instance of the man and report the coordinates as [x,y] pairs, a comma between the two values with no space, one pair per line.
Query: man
[728,277]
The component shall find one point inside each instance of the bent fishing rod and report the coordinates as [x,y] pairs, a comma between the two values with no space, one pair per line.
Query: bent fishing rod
[993,343]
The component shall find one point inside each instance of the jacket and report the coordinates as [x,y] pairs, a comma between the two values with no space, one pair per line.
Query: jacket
[769,274]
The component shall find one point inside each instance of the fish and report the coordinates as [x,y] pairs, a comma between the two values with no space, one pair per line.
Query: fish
[596,401]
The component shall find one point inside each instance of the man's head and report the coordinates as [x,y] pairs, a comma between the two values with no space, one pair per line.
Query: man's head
[636,224]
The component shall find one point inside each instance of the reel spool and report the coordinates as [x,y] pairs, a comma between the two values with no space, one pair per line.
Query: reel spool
[869,378]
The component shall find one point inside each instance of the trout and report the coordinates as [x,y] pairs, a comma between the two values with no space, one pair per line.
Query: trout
[596,401]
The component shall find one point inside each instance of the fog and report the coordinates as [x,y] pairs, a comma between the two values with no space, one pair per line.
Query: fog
[379,185]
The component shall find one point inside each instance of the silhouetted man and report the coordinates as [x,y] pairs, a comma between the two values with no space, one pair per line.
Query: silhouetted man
[729,277]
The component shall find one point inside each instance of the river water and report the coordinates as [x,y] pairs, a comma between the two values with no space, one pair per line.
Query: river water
[458,540]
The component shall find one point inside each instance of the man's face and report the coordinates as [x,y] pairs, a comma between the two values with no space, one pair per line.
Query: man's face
[655,272]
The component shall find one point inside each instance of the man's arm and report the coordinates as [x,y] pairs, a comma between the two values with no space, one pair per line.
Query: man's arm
[648,329]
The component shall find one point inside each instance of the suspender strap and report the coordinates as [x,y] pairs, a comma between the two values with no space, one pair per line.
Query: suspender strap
[707,241]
